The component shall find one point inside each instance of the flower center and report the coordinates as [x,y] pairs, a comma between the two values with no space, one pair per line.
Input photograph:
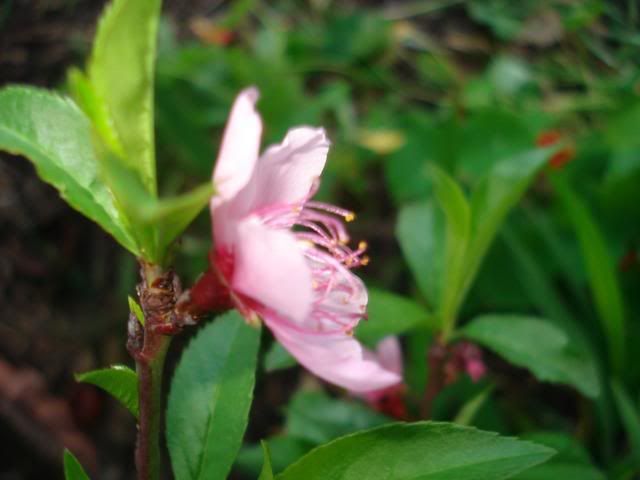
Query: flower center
[339,296]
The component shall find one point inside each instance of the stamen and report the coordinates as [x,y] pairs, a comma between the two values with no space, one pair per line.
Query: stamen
[348,215]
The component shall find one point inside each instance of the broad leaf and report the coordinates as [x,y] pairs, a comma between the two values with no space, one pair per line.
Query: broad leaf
[600,269]
[537,345]
[210,397]
[390,314]
[55,135]
[121,73]
[418,451]
[72,468]
[421,234]
[119,381]
[458,230]
[315,417]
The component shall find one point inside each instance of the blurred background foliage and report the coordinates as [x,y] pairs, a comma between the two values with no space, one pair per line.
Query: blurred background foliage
[400,86]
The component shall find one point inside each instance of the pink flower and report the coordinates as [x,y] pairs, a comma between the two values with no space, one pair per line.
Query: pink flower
[298,281]
[389,400]
[388,354]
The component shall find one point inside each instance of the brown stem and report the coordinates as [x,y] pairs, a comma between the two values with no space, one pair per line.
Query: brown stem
[149,367]
[436,359]
[158,293]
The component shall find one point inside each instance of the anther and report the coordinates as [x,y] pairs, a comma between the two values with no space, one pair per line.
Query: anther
[350,217]
[365,260]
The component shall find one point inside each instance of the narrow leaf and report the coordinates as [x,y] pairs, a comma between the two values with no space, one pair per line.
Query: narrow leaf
[469,410]
[458,229]
[85,96]
[119,381]
[121,72]
[494,198]
[210,397]
[418,451]
[55,135]
[535,344]
[72,468]
[158,221]
[630,418]
[600,269]
[267,470]
[283,451]
[136,309]
[538,286]
[174,214]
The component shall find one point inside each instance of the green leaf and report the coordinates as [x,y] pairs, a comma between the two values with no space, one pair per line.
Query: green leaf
[136,310]
[267,471]
[132,197]
[119,381]
[535,344]
[121,72]
[600,269]
[210,397]
[418,451]
[72,468]
[55,135]
[538,286]
[458,229]
[492,200]
[158,221]
[469,410]
[421,233]
[630,418]
[85,95]
[317,418]
[283,451]
[489,136]
[571,461]
[390,314]
[174,214]
[277,358]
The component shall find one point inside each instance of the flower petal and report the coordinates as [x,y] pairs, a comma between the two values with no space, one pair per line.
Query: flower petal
[239,149]
[270,268]
[285,173]
[389,353]
[337,358]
